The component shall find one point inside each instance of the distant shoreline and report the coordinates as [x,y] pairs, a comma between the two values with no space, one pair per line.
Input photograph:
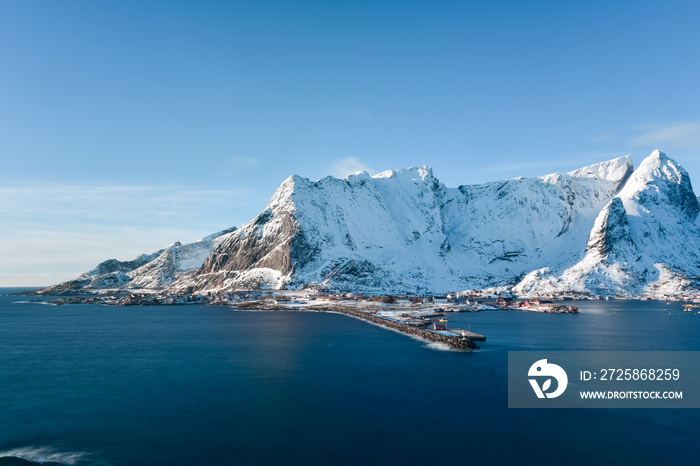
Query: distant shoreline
[455,339]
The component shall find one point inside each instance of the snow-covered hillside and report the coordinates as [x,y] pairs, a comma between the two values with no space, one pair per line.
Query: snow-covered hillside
[402,230]
[149,271]
[644,242]
[605,228]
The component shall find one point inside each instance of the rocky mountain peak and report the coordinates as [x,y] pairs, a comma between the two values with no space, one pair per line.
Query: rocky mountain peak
[611,231]
[415,173]
[660,182]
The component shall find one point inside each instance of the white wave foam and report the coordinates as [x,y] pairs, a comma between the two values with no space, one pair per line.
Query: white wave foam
[34,302]
[434,345]
[44,454]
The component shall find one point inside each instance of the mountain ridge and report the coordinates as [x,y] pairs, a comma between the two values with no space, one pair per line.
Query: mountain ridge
[595,229]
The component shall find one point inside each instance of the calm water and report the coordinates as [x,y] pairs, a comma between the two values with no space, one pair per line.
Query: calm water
[197,385]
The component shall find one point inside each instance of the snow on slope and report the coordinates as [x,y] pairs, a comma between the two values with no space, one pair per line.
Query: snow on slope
[644,242]
[419,235]
[375,232]
[402,230]
[331,229]
[173,260]
[507,228]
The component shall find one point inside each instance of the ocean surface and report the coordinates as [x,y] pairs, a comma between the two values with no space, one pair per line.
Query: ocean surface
[199,385]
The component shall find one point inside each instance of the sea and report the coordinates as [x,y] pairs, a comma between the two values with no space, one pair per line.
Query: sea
[210,385]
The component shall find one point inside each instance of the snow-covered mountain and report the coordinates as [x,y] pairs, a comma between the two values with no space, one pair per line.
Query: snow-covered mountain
[402,230]
[645,241]
[605,228]
[147,271]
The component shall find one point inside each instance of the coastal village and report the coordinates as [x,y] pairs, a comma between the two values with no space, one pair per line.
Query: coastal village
[470,301]
[423,317]
[465,301]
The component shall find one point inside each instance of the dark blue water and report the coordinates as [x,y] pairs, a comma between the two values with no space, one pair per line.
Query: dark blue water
[196,385]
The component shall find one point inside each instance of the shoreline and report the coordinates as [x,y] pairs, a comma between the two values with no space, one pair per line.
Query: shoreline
[463,342]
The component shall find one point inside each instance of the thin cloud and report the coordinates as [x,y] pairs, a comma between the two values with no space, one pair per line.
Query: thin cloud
[118,203]
[681,135]
[33,279]
[68,229]
[32,256]
[27,247]
[344,167]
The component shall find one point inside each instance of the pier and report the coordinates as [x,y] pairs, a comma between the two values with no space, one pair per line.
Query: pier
[461,341]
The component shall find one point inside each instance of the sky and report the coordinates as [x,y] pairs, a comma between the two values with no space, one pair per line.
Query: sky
[128,125]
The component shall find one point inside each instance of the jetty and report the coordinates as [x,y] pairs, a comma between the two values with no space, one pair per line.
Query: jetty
[454,338]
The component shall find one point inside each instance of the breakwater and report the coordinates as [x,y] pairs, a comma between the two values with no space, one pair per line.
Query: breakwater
[453,342]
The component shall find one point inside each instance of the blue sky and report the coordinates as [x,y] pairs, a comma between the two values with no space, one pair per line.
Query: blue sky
[128,125]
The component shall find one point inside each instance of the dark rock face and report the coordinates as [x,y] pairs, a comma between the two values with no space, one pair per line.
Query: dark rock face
[302,251]
[271,241]
[353,271]
[252,248]
[611,234]
[686,198]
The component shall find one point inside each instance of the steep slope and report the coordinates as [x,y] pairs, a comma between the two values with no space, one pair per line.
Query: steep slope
[644,242]
[332,229]
[505,229]
[402,230]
